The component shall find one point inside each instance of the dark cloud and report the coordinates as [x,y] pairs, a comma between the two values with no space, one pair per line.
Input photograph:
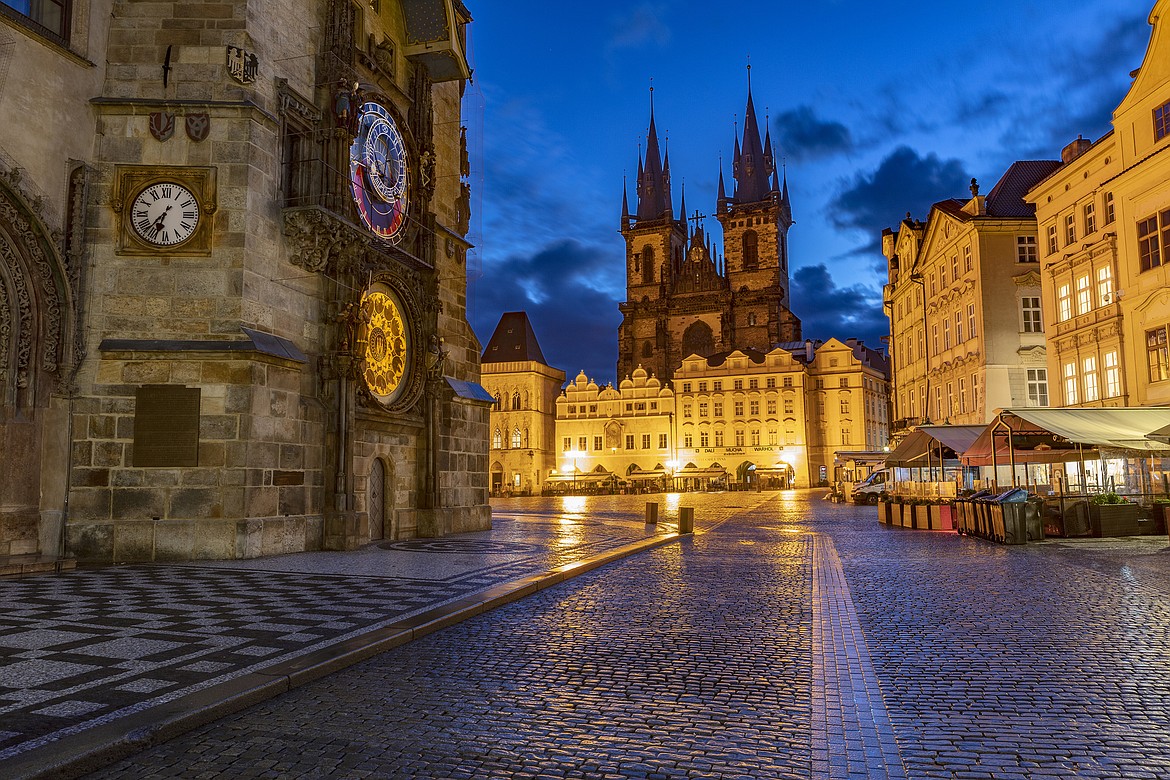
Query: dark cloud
[638,27]
[903,182]
[804,136]
[560,287]
[826,310]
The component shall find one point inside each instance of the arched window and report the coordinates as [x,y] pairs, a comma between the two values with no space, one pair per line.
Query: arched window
[751,250]
[752,319]
[647,349]
[498,402]
[648,265]
[517,442]
[497,440]
[698,340]
[516,401]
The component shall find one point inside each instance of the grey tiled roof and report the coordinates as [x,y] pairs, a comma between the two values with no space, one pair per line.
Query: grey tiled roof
[1006,198]
[514,340]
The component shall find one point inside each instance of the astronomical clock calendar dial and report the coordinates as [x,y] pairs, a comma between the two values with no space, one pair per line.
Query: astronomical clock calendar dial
[378,172]
[387,345]
[165,214]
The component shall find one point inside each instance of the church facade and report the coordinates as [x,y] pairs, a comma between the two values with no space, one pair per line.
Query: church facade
[232,294]
[685,297]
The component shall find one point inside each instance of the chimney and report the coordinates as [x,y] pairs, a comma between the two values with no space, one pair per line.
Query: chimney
[1075,149]
[808,350]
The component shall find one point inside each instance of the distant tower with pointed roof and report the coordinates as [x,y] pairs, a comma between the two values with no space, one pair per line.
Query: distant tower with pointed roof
[685,297]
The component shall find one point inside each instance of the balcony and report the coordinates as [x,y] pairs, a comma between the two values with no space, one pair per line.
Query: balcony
[436,38]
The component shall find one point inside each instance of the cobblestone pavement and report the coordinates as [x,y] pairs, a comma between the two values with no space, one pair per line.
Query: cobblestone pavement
[797,639]
[87,648]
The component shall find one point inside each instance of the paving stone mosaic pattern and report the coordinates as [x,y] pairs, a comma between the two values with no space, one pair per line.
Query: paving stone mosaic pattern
[84,648]
[800,639]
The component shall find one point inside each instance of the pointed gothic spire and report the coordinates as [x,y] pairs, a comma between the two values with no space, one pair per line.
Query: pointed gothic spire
[721,200]
[682,209]
[625,203]
[769,159]
[652,198]
[752,174]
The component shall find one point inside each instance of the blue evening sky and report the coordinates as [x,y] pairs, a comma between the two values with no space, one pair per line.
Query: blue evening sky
[877,109]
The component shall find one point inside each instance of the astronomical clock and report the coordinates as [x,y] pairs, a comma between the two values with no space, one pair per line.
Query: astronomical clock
[378,173]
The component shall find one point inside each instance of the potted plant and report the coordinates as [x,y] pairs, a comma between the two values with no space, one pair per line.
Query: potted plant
[1112,515]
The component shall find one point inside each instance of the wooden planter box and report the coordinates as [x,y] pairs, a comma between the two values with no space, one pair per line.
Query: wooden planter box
[921,516]
[1113,519]
[941,518]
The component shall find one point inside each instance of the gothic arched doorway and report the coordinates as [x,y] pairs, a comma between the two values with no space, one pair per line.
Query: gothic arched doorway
[36,335]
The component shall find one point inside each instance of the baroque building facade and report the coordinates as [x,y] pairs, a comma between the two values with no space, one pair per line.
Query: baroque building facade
[1104,218]
[963,299]
[522,425]
[684,297]
[232,300]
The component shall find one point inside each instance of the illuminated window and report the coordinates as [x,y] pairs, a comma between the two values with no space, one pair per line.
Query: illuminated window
[1070,383]
[1089,378]
[498,440]
[1152,246]
[702,408]
[755,437]
[686,410]
[771,406]
[1112,376]
[518,441]
[1084,295]
[1064,302]
[718,408]
[1070,229]
[1104,286]
[1090,218]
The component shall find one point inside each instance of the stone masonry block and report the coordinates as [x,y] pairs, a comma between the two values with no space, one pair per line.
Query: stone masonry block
[138,503]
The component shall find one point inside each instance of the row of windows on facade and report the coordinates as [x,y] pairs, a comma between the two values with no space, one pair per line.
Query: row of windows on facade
[959,334]
[518,441]
[1086,380]
[955,403]
[1088,295]
[631,439]
[501,404]
[1088,223]
[715,408]
[631,406]
[1026,252]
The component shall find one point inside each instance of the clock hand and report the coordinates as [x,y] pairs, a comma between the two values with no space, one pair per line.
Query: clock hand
[162,218]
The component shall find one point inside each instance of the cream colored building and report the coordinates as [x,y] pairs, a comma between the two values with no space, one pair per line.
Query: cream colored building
[622,431]
[964,303]
[1104,219]
[522,423]
[232,293]
[780,417]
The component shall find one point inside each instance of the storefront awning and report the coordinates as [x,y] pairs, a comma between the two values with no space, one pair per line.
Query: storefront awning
[924,442]
[700,473]
[1059,435]
[584,479]
[643,475]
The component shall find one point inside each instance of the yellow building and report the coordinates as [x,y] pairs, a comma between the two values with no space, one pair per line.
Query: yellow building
[522,425]
[1104,219]
[624,431]
[778,418]
[964,303]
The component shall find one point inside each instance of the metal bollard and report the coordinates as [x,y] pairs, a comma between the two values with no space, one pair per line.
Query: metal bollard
[651,513]
[686,520]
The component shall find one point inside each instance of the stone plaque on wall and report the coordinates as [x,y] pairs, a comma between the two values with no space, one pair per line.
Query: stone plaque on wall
[166,426]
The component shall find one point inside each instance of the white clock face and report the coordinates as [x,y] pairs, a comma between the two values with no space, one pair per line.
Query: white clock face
[165,214]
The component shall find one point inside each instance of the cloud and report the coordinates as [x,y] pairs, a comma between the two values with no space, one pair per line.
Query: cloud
[804,136]
[903,181]
[826,310]
[564,288]
[640,26]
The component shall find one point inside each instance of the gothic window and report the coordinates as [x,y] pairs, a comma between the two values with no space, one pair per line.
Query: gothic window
[517,441]
[647,349]
[751,250]
[498,402]
[648,265]
[497,440]
[515,400]
[44,16]
[698,340]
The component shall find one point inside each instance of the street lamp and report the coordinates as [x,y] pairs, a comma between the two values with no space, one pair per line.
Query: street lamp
[917,278]
[574,454]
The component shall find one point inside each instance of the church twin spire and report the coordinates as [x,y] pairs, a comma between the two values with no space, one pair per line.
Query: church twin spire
[756,175]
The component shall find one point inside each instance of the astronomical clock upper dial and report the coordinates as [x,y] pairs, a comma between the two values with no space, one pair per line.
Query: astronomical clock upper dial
[165,214]
[378,172]
[387,345]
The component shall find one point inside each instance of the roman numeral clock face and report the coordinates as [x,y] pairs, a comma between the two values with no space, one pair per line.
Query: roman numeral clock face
[165,214]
